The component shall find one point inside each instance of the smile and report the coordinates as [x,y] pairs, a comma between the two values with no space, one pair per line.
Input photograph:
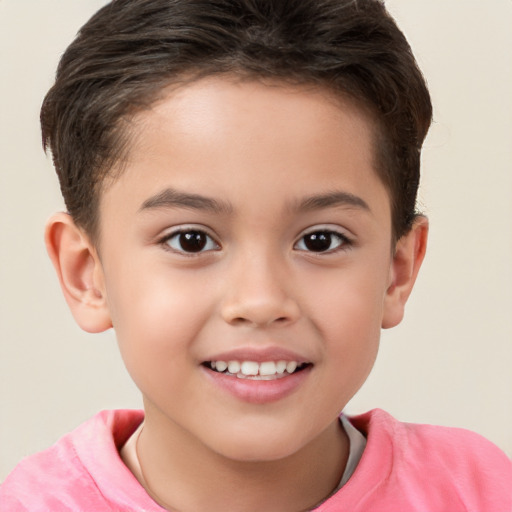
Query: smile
[267,370]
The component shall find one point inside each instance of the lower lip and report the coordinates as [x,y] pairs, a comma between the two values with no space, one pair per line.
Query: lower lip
[259,391]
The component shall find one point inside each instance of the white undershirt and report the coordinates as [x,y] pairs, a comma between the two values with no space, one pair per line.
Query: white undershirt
[357,445]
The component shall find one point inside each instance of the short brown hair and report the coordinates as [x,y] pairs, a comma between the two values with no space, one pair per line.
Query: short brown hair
[130,50]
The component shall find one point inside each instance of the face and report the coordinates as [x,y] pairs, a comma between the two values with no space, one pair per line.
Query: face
[246,257]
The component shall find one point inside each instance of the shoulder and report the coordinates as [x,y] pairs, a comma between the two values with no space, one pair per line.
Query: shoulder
[432,445]
[449,469]
[63,477]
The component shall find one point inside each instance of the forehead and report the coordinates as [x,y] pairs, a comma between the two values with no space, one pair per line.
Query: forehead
[243,99]
[223,132]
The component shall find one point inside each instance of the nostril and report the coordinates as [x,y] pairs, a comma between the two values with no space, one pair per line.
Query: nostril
[246,321]
[260,310]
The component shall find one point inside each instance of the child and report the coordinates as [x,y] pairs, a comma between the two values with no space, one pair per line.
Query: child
[241,181]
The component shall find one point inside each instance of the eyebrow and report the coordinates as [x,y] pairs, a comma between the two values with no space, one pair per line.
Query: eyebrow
[330,200]
[171,198]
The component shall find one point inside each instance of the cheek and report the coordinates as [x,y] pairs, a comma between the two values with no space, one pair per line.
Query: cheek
[347,308]
[153,318]
[352,330]
[351,298]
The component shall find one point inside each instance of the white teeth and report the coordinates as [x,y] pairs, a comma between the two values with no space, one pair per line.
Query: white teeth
[249,368]
[281,366]
[268,368]
[220,366]
[265,371]
[233,367]
[291,366]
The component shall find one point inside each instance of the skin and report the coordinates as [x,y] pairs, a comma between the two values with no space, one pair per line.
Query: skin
[259,153]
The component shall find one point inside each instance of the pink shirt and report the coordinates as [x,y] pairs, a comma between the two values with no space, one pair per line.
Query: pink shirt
[405,467]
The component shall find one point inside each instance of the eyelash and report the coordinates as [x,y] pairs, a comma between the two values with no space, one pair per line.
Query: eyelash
[321,234]
[192,232]
[207,243]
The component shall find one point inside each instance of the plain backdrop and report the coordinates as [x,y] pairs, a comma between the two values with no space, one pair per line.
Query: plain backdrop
[448,363]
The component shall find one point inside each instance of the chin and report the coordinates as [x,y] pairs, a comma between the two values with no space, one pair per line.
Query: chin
[260,445]
[257,453]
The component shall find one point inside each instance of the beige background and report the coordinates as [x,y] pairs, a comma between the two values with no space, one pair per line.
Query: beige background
[448,363]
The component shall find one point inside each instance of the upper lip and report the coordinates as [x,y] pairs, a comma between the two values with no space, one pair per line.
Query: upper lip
[259,355]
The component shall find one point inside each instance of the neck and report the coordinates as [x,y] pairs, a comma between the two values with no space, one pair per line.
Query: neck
[181,473]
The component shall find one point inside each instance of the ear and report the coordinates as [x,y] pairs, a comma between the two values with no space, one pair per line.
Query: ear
[406,263]
[80,272]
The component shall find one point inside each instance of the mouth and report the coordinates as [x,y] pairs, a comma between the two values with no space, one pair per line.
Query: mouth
[253,370]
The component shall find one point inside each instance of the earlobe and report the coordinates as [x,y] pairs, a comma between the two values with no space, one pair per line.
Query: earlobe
[409,254]
[79,271]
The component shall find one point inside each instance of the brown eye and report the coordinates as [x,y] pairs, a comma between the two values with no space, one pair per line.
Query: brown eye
[322,241]
[192,241]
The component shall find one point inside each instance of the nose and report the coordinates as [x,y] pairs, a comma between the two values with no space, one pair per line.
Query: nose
[259,293]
